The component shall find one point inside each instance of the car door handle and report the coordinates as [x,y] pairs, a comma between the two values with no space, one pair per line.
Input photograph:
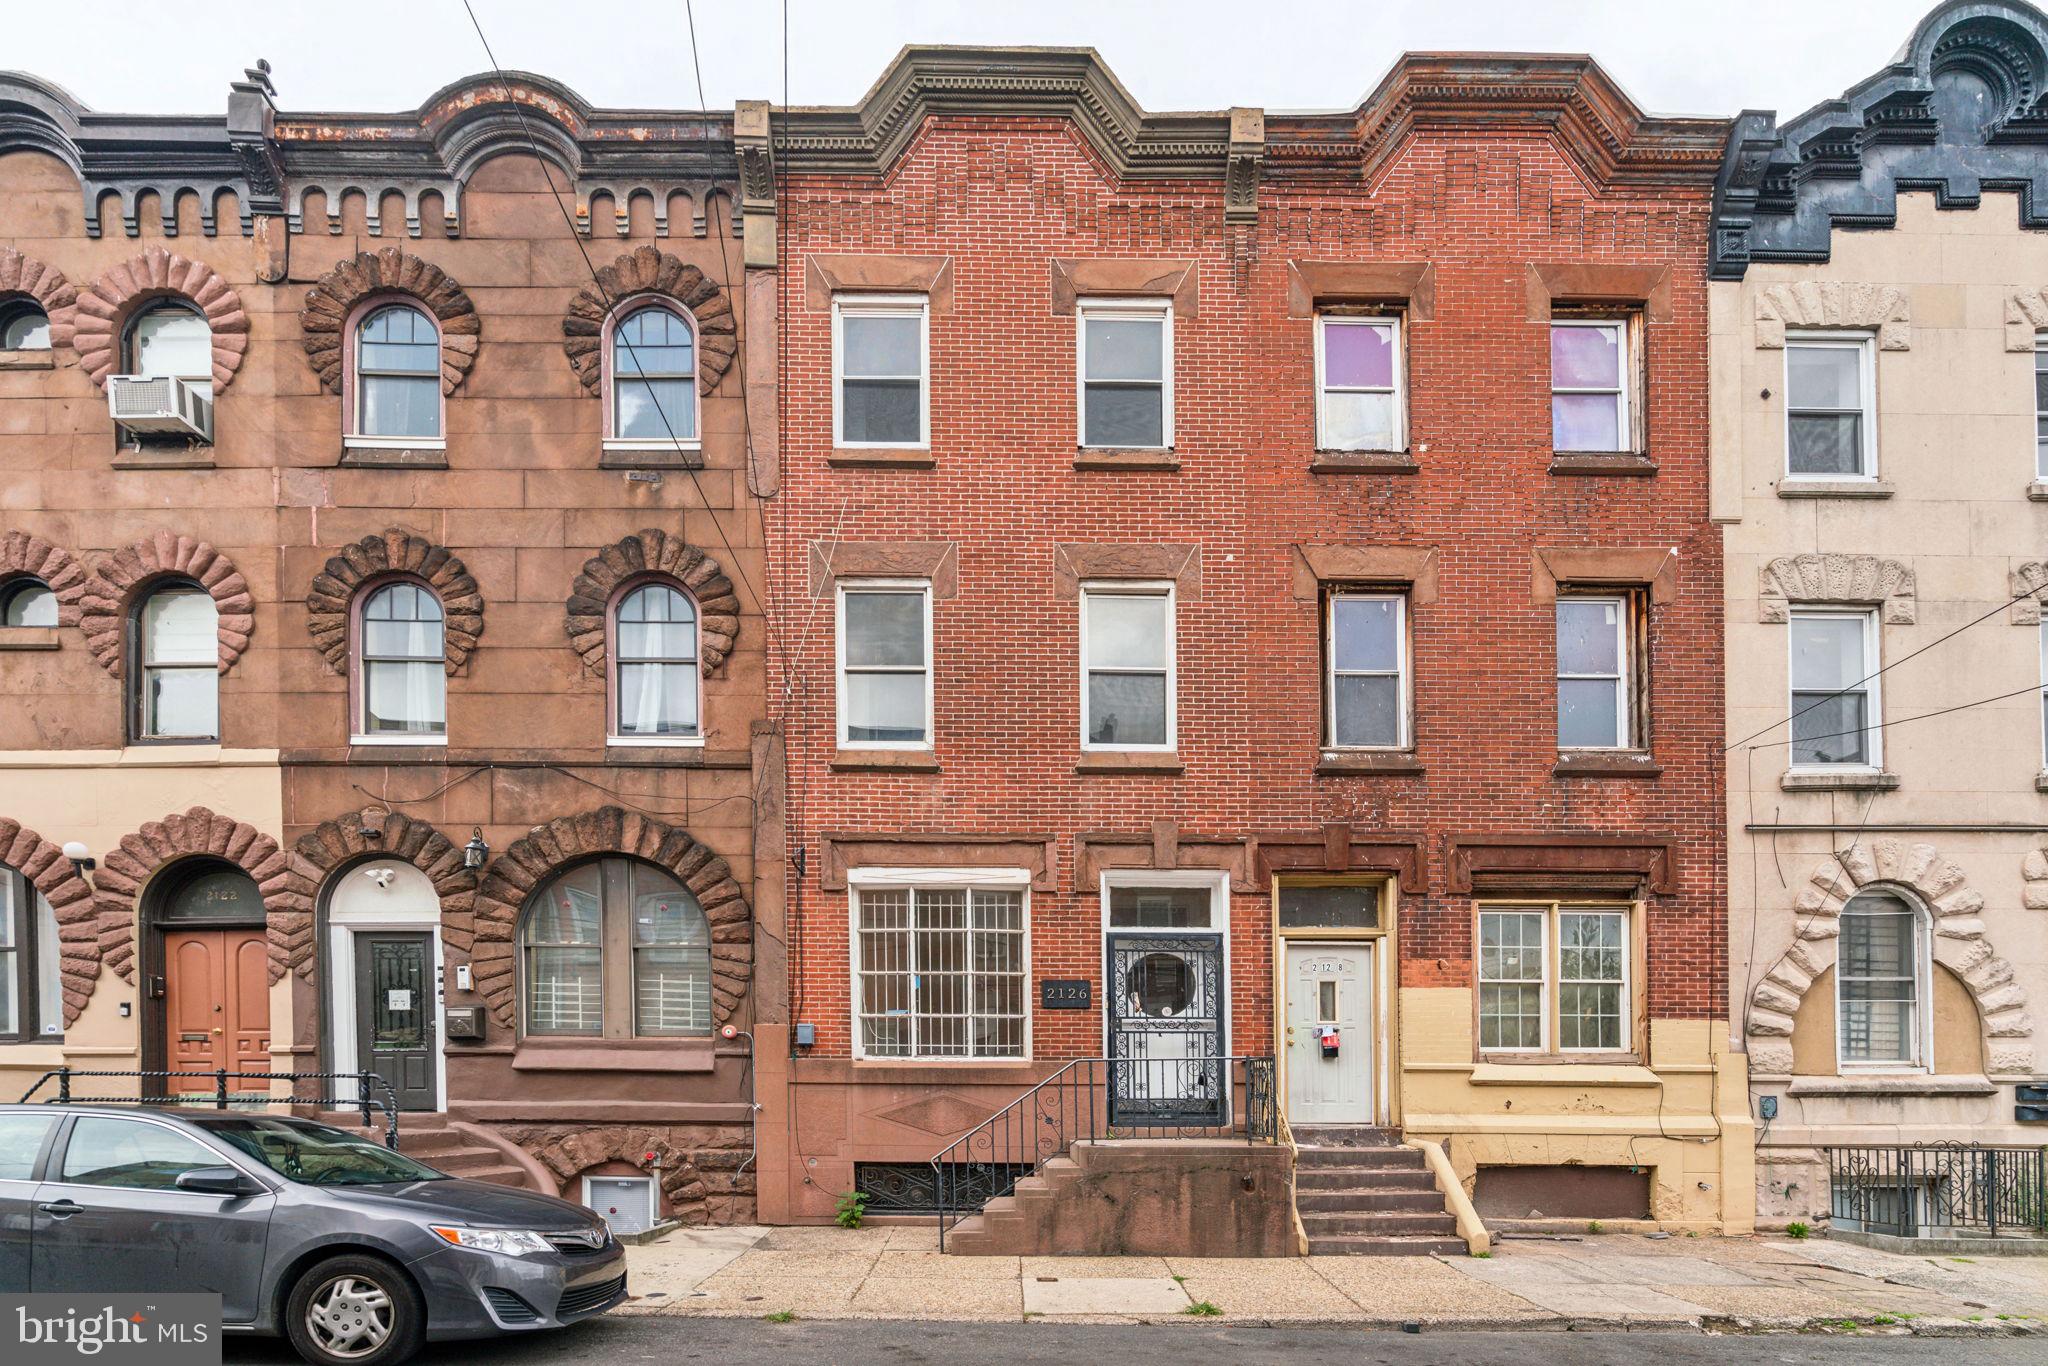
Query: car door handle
[62,1209]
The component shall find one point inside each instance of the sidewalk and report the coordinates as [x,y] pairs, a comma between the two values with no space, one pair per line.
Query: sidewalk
[1600,1281]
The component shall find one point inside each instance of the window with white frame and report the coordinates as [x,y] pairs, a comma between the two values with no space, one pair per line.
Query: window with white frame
[1554,978]
[881,376]
[1367,687]
[1594,688]
[653,376]
[940,971]
[1127,682]
[1834,689]
[177,679]
[398,374]
[1830,406]
[1125,373]
[1881,983]
[885,670]
[404,681]
[1358,384]
[2044,696]
[1589,385]
[31,966]
[654,651]
[2041,408]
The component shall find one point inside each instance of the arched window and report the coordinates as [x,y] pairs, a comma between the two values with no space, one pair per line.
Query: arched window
[24,327]
[177,662]
[1881,984]
[398,374]
[654,662]
[616,949]
[31,981]
[654,376]
[402,679]
[171,339]
[27,602]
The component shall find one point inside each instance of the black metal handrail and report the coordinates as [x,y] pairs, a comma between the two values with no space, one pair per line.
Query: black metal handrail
[222,1097]
[1091,1099]
[1937,1189]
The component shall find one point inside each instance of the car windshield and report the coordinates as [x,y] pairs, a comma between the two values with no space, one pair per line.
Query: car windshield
[316,1155]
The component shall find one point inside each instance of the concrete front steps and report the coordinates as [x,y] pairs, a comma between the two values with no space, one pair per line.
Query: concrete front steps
[1360,1193]
[449,1146]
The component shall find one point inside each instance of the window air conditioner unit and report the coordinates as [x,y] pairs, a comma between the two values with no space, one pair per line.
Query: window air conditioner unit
[150,403]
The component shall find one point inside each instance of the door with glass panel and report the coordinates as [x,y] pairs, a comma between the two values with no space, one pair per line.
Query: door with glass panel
[1329,1033]
[395,1014]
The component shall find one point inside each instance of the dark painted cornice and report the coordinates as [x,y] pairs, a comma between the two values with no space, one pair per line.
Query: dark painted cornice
[1569,97]
[270,160]
[1962,109]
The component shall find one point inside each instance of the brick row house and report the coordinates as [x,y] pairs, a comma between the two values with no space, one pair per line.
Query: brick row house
[382,676]
[1244,590]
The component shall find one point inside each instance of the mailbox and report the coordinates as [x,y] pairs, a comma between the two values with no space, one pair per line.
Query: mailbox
[465,1022]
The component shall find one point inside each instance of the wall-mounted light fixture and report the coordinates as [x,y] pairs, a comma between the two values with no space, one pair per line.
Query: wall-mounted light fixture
[476,851]
[82,861]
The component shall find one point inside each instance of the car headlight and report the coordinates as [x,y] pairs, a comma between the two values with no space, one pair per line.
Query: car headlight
[514,1242]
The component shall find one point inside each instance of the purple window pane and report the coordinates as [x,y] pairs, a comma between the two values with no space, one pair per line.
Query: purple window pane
[1585,357]
[1358,355]
[1585,422]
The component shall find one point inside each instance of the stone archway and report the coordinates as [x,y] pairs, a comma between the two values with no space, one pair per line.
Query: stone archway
[49,872]
[374,832]
[332,595]
[127,868]
[491,934]
[110,593]
[567,1152]
[24,277]
[105,307]
[1960,946]
[656,554]
[389,271]
[645,271]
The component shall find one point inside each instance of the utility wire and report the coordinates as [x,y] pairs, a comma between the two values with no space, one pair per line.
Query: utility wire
[1887,725]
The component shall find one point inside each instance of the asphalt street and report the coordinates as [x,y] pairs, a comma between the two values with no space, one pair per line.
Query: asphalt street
[741,1342]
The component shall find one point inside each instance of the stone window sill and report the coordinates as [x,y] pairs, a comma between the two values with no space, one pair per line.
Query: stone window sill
[1363,462]
[423,457]
[663,455]
[2038,490]
[1834,488]
[1856,780]
[1601,462]
[1390,763]
[1553,1073]
[1138,461]
[37,358]
[880,458]
[615,1055]
[1896,1084]
[2041,781]
[28,637]
[884,761]
[1122,761]
[188,456]
[1617,763]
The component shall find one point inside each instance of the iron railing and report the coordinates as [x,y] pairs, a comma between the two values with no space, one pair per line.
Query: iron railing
[222,1097]
[1928,1190]
[1092,1099]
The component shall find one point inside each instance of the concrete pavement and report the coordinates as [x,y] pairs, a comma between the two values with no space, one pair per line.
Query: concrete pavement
[1595,1281]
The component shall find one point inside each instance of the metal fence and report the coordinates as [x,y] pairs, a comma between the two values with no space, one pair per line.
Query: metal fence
[1092,1099]
[1936,1190]
[221,1095]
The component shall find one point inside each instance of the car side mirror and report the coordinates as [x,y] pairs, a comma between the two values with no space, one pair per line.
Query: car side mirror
[216,1181]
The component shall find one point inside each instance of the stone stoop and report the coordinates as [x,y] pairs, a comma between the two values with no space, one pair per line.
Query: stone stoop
[1005,1221]
[1360,1193]
[433,1140]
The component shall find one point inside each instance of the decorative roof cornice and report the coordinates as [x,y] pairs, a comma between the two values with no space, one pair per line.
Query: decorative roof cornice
[1073,83]
[1570,97]
[1962,109]
[270,160]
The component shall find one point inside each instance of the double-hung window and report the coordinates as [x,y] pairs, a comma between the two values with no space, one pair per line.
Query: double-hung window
[2044,696]
[404,682]
[1880,983]
[2041,408]
[1125,373]
[1554,978]
[1367,688]
[881,380]
[31,977]
[1127,681]
[1834,689]
[1589,385]
[885,665]
[178,679]
[1594,688]
[939,971]
[1358,384]
[398,375]
[1830,406]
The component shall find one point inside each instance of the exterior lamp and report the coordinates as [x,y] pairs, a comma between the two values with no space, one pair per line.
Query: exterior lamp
[82,861]
[476,851]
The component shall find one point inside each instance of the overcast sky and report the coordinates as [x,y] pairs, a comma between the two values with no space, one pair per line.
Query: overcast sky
[1673,56]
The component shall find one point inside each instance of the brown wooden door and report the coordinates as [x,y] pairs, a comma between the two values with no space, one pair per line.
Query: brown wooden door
[216,1006]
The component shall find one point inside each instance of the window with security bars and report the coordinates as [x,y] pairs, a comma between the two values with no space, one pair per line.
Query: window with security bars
[616,949]
[941,972]
[1878,982]
[1554,979]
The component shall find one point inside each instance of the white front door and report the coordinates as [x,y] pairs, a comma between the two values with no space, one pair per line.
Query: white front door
[1329,987]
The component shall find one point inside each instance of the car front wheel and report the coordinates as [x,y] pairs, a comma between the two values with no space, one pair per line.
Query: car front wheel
[355,1311]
